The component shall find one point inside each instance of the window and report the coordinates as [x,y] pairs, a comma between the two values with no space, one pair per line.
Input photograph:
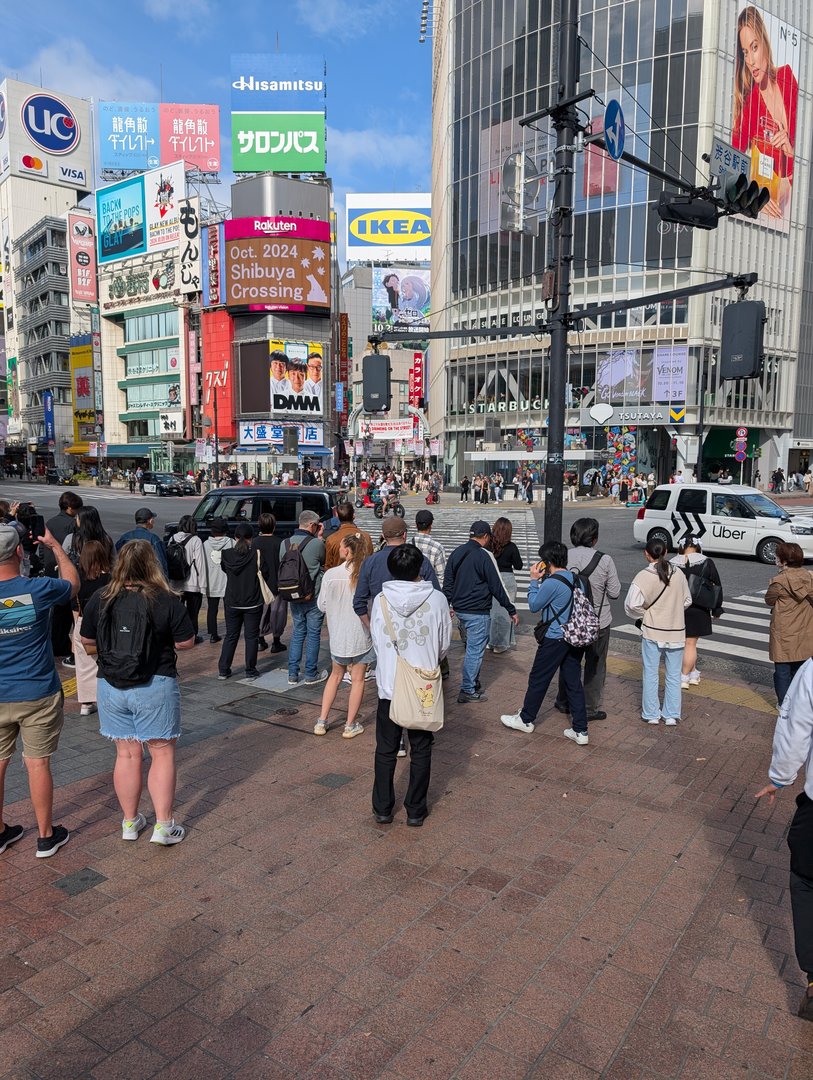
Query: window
[692,501]
[282,509]
[317,503]
[730,506]
[150,327]
[658,500]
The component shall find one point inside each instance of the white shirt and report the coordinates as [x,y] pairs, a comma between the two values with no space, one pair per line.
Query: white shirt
[348,635]
[280,386]
[312,387]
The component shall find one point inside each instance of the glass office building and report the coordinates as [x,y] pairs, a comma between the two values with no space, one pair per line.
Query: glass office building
[672,64]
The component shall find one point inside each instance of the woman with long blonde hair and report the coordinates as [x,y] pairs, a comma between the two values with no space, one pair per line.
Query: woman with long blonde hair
[135,624]
[351,647]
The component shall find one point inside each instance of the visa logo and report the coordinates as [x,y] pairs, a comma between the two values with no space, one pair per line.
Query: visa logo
[78,176]
[391,227]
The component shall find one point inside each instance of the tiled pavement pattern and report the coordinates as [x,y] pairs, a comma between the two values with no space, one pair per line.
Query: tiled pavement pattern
[615,911]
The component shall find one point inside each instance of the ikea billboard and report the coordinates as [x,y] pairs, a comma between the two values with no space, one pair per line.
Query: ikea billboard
[383,227]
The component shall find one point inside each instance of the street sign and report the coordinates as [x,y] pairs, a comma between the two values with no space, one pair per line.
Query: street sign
[740,455]
[742,432]
[728,162]
[614,129]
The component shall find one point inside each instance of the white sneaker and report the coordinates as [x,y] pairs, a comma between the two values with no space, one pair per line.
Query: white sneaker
[670,721]
[694,678]
[320,727]
[580,738]
[685,682]
[131,829]
[515,721]
[167,834]
[346,678]
[369,674]
[650,721]
[87,710]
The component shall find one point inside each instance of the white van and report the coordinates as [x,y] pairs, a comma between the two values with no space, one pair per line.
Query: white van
[726,518]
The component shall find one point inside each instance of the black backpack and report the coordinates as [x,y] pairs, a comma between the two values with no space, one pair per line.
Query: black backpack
[178,566]
[294,581]
[125,641]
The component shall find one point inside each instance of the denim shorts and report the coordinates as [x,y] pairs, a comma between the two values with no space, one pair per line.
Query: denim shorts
[349,661]
[141,713]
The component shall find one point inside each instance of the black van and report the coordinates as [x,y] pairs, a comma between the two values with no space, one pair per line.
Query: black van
[238,504]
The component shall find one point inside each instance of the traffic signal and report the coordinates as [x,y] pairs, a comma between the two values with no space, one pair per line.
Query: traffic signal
[741,353]
[375,377]
[687,210]
[290,440]
[745,197]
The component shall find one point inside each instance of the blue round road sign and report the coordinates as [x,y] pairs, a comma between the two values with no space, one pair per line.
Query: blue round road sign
[615,129]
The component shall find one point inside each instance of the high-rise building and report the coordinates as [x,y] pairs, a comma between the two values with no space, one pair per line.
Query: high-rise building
[679,71]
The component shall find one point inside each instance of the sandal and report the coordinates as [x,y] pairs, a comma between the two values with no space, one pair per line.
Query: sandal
[353,730]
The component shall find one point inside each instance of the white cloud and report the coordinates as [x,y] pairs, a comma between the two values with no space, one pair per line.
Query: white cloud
[380,150]
[189,12]
[70,67]
[340,19]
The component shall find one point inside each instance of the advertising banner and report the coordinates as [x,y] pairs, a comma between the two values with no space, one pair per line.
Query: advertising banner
[214,267]
[767,54]
[164,189]
[48,412]
[82,390]
[190,133]
[670,369]
[401,298]
[381,430]
[273,82]
[190,245]
[82,257]
[170,422]
[619,376]
[44,135]
[394,225]
[120,220]
[128,135]
[267,433]
[278,264]
[278,142]
[96,346]
[417,379]
[295,369]
[344,363]
[157,279]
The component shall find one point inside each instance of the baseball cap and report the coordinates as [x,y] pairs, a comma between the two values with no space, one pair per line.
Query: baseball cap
[393,526]
[424,518]
[144,514]
[10,540]
[480,528]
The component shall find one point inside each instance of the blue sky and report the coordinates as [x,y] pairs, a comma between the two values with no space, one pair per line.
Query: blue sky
[378,75]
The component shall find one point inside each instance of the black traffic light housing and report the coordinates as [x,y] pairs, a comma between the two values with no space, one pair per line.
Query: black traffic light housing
[741,349]
[690,210]
[745,197]
[290,440]
[375,376]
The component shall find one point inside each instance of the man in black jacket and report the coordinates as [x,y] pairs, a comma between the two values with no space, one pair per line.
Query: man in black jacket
[470,583]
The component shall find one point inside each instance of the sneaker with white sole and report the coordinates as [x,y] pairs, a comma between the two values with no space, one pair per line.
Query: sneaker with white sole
[320,727]
[167,834]
[515,721]
[671,721]
[685,682]
[131,828]
[580,738]
[320,678]
[87,710]
[346,678]
[402,747]
[694,678]
[353,730]
[651,721]
[50,845]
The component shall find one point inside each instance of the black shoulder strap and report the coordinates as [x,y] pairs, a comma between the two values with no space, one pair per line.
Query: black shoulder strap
[588,570]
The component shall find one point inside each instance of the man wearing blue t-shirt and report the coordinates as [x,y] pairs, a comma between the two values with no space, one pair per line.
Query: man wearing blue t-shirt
[30,691]
[145,522]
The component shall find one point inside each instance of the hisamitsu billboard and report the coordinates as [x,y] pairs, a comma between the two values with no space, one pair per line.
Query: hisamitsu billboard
[270,82]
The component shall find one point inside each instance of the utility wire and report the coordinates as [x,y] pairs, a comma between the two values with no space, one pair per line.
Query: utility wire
[657,126]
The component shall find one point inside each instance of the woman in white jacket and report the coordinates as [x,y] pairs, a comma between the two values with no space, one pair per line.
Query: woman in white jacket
[195,584]
[351,646]
[422,626]
[218,542]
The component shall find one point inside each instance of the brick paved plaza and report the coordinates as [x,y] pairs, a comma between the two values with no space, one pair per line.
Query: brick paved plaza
[618,910]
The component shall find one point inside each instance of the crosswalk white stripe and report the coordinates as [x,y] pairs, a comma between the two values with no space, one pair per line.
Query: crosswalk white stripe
[764,610]
[740,620]
[709,645]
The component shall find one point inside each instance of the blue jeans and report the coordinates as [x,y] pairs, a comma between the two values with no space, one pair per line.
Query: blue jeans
[651,652]
[307,620]
[476,625]
[783,675]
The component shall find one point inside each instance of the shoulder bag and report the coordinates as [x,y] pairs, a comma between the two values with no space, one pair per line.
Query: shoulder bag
[704,593]
[417,695]
[268,596]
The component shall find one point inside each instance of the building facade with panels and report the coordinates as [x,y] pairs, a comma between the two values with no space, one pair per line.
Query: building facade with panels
[672,65]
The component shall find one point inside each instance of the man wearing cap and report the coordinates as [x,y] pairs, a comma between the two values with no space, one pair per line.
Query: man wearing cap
[30,692]
[423,541]
[374,570]
[145,521]
[470,583]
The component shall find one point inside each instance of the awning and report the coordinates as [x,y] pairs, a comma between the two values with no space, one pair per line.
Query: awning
[122,450]
[82,450]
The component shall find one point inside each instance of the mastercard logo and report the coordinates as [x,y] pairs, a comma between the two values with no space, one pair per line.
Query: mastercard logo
[32,163]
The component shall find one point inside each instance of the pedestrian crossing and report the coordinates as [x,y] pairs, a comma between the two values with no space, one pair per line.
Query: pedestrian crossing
[451,528]
[803,508]
[741,632]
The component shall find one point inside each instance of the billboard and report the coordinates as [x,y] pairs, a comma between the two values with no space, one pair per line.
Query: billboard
[190,133]
[190,246]
[213,266]
[278,113]
[399,225]
[295,370]
[277,264]
[766,92]
[401,298]
[128,135]
[44,135]
[82,390]
[266,433]
[123,286]
[141,214]
[82,257]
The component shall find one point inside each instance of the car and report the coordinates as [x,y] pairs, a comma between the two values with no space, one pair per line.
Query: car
[728,519]
[187,486]
[242,503]
[161,483]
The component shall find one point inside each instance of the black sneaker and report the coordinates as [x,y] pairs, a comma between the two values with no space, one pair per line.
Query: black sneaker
[565,709]
[214,639]
[50,845]
[69,661]
[278,647]
[10,835]
[805,1010]
[262,644]
[465,699]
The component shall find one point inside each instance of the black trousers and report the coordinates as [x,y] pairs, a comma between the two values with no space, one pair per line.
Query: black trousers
[387,741]
[553,655]
[212,608]
[61,629]
[192,602]
[236,620]
[800,842]
[595,674]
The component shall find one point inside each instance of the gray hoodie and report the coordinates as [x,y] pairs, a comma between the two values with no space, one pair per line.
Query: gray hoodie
[215,575]
[423,628]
